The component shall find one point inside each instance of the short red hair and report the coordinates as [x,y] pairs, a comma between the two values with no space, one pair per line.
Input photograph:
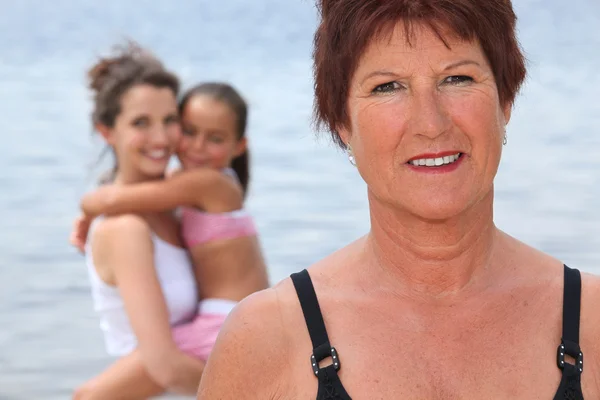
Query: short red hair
[348,26]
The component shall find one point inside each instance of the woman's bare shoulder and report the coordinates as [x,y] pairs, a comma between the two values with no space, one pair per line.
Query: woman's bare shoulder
[266,313]
[529,261]
[251,355]
[265,309]
[118,226]
[119,233]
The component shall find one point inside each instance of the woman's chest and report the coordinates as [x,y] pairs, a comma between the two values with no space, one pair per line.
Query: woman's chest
[414,369]
[389,355]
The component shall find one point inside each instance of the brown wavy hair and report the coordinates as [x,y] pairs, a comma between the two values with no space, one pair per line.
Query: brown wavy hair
[112,76]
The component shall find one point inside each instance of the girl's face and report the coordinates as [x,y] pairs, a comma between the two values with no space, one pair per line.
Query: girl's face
[210,134]
[146,132]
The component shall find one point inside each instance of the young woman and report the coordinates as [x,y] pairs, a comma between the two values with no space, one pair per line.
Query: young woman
[141,277]
[218,232]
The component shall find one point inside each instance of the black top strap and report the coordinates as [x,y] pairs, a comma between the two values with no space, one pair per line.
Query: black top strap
[571,311]
[312,314]
[570,384]
[571,315]
[330,387]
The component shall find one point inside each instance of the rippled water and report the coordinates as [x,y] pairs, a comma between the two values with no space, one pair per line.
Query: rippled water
[307,199]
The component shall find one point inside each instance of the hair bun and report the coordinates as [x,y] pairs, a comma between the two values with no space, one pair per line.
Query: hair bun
[100,72]
[129,53]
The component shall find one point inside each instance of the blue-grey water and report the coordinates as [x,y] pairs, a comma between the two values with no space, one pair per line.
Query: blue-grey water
[306,197]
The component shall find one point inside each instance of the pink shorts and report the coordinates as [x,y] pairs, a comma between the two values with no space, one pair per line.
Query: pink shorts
[198,337]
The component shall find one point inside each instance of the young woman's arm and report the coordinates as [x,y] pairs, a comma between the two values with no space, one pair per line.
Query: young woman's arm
[205,188]
[126,379]
[124,246]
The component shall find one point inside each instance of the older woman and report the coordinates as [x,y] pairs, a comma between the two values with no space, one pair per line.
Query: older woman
[434,302]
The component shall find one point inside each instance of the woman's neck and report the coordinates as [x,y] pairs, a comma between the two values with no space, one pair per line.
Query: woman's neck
[433,258]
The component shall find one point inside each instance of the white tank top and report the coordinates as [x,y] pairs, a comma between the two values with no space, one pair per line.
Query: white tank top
[175,275]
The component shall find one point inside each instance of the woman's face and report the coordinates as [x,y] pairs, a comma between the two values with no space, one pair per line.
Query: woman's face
[210,134]
[146,132]
[415,107]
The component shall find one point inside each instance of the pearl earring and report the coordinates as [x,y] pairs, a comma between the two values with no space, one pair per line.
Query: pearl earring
[351,156]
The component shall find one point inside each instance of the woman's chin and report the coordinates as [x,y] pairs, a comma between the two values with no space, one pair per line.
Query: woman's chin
[438,214]
[431,208]
[155,172]
[442,208]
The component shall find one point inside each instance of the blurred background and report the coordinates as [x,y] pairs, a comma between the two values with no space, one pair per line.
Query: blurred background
[307,199]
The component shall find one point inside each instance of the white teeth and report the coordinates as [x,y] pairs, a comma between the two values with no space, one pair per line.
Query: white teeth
[157,153]
[435,162]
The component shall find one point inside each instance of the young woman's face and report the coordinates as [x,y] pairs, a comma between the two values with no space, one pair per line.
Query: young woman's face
[146,132]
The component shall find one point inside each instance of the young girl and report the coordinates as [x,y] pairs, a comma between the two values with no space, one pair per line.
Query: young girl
[220,235]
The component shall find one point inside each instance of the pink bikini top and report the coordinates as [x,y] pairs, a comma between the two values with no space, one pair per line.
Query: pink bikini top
[200,227]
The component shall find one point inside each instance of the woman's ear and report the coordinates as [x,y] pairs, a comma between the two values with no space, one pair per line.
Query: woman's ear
[507,111]
[106,133]
[344,135]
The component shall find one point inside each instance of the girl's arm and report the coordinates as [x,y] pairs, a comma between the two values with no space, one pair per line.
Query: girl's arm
[204,188]
[124,246]
[78,236]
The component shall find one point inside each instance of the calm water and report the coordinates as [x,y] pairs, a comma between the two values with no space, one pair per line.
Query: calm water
[307,199]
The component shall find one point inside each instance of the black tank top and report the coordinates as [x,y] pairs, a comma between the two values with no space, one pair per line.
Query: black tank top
[331,388]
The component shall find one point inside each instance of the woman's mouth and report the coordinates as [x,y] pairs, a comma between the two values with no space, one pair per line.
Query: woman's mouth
[435,161]
[157,155]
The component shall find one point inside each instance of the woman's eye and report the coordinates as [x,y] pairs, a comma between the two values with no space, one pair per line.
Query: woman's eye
[458,80]
[142,122]
[387,87]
